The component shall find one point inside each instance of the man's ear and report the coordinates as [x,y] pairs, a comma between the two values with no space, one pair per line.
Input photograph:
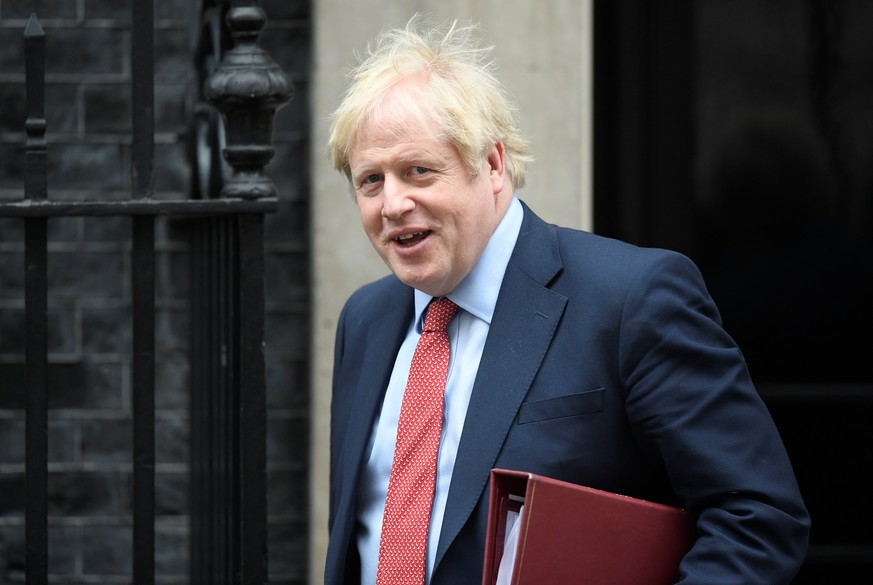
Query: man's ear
[496,167]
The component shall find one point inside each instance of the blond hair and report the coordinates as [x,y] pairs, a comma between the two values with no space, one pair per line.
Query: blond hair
[458,91]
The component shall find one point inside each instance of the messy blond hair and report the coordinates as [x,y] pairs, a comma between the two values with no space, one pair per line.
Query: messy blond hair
[457,90]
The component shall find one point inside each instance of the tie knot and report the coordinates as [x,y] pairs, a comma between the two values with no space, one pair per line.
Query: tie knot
[439,313]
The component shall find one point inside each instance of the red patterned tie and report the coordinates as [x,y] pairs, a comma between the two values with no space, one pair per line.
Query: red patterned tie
[403,548]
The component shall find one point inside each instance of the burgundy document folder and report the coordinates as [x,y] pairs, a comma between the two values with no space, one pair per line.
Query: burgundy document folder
[570,534]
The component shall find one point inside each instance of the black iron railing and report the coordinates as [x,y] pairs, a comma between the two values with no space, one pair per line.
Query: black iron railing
[228,413]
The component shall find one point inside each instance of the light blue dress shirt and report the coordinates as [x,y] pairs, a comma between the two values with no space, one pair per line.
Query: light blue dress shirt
[476,296]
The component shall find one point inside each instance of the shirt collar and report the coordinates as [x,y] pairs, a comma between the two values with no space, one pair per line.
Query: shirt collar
[477,293]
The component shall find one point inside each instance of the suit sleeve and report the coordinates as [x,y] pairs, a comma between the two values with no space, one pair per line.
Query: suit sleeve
[691,399]
[335,441]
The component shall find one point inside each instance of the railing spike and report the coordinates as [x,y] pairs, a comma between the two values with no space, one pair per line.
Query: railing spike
[33,28]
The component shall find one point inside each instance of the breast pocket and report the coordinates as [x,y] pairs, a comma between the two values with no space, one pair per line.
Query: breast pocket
[581,403]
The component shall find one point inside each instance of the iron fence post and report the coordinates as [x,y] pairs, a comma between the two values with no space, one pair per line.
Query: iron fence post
[36,312]
[247,88]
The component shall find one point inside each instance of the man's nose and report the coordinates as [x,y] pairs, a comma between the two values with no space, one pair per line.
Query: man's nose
[396,199]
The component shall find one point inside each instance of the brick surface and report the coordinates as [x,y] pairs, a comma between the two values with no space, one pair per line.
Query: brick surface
[62,442]
[62,331]
[85,385]
[88,494]
[172,282]
[65,230]
[287,379]
[171,550]
[172,60]
[172,440]
[106,550]
[85,52]
[171,493]
[278,332]
[171,330]
[295,114]
[88,113]
[106,230]
[61,120]
[43,8]
[290,165]
[106,331]
[82,385]
[98,167]
[11,551]
[13,377]
[291,53]
[170,113]
[12,494]
[11,278]
[12,55]
[286,274]
[172,168]
[12,166]
[287,441]
[107,108]
[171,380]
[87,274]
[288,225]
[287,543]
[64,549]
[13,113]
[109,9]
[287,496]
[11,231]
[106,441]
[58,120]
[286,9]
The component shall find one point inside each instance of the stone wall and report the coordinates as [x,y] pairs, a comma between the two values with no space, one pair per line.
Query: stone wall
[88,115]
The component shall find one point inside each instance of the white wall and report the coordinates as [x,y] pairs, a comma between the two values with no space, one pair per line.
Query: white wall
[543,51]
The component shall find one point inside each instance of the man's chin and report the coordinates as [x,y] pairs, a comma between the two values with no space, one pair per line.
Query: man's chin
[421,282]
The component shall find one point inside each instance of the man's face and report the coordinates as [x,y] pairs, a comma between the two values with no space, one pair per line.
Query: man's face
[424,213]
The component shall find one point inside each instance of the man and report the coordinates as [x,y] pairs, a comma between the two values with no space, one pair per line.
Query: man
[572,356]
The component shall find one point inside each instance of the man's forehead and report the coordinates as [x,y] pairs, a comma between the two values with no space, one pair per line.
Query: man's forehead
[397,120]
[425,152]
[384,131]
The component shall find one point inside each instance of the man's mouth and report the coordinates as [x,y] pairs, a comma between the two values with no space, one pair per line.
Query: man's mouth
[411,239]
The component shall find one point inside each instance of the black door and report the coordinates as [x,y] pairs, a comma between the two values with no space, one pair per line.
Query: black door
[740,133]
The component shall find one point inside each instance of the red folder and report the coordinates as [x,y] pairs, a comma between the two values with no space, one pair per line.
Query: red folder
[571,534]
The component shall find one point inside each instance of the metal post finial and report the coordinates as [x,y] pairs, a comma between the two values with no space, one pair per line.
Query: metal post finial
[247,88]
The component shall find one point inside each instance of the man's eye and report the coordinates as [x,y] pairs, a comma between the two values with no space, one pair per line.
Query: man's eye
[419,170]
[370,179]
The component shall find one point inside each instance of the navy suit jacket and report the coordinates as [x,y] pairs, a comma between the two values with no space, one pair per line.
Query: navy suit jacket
[605,365]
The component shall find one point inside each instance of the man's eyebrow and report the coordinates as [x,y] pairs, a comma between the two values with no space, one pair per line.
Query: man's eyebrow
[412,156]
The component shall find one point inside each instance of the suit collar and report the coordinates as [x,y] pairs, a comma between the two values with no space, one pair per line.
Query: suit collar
[537,253]
[384,337]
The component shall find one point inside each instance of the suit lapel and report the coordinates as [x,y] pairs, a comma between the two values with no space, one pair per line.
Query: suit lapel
[384,336]
[383,341]
[525,318]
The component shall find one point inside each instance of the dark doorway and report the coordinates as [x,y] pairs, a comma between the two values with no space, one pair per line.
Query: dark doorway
[741,134]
